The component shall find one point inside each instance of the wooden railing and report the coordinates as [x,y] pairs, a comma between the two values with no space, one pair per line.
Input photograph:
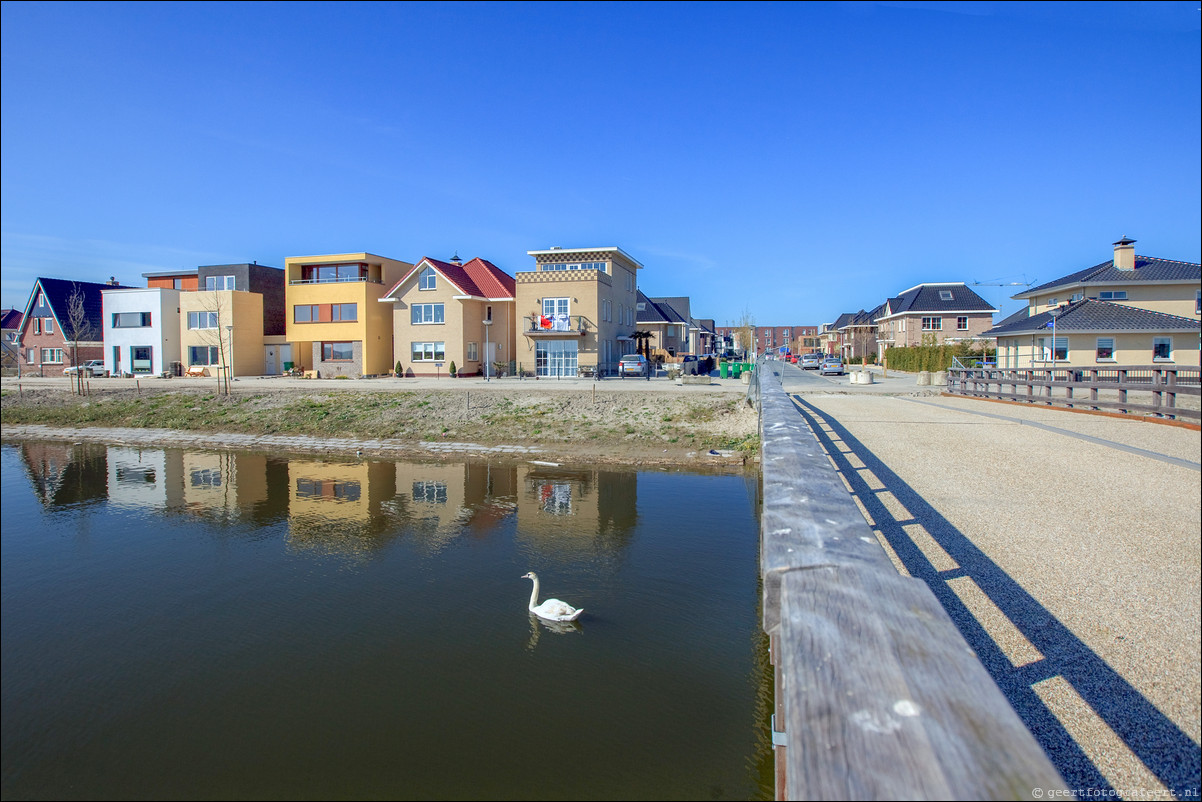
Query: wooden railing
[878,695]
[1156,388]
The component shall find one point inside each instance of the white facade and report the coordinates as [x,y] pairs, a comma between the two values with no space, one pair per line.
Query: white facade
[141,330]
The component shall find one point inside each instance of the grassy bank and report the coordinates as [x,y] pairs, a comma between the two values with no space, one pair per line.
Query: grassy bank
[593,422]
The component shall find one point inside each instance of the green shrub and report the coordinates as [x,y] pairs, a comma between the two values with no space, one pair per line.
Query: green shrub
[453,371]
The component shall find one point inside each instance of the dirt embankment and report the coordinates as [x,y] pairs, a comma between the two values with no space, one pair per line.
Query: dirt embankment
[669,426]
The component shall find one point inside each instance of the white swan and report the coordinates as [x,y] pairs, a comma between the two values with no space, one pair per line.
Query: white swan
[551,609]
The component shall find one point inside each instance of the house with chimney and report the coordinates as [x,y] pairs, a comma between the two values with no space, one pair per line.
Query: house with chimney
[62,325]
[934,313]
[1128,310]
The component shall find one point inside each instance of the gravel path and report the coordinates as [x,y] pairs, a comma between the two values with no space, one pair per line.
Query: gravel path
[1070,562]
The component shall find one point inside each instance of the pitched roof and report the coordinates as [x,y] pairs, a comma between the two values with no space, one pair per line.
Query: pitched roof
[58,293]
[861,318]
[941,298]
[478,278]
[656,311]
[11,319]
[1147,269]
[1088,315]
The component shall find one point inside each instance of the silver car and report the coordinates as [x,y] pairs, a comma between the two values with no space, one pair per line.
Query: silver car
[832,364]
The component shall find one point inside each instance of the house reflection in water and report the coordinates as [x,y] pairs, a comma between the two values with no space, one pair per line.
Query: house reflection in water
[346,507]
[65,474]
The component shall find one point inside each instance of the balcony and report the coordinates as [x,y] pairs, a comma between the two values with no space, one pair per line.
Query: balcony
[555,325]
[339,280]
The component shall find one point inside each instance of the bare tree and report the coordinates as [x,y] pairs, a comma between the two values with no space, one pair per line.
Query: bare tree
[216,314]
[745,332]
[77,327]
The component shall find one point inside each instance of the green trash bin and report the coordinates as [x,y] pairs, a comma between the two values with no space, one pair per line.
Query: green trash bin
[737,370]
[724,370]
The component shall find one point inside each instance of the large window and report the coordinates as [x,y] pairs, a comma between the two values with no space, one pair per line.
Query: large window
[204,355]
[52,356]
[932,324]
[323,274]
[328,489]
[1112,295]
[426,313]
[337,352]
[141,356]
[428,352]
[555,357]
[430,492]
[219,283]
[202,320]
[344,312]
[131,320]
[1162,349]
[1059,348]
[1105,352]
[306,313]
[426,279]
[576,266]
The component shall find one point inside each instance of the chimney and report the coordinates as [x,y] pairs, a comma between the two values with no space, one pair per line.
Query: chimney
[112,282]
[455,260]
[1124,254]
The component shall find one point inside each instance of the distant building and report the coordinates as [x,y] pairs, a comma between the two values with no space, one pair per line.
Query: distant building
[62,325]
[933,313]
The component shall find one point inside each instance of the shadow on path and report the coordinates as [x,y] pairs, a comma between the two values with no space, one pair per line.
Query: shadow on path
[1161,745]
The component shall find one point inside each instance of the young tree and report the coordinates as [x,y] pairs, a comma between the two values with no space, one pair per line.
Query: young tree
[745,334]
[77,327]
[213,317]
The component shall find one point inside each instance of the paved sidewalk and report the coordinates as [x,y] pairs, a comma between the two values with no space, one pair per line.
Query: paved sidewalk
[1068,558]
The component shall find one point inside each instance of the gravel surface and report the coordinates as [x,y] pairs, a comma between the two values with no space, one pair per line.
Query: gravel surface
[1076,564]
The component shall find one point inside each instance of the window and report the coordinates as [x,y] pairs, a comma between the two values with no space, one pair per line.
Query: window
[932,324]
[344,312]
[202,320]
[29,356]
[49,327]
[141,355]
[204,355]
[52,356]
[219,283]
[945,295]
[1051,302]
[131,320]
[428,352]
[1162,349]
[1060,347]
[473,352]
[1198,302]
[1076,296]
[328,489]
[426,279]
[206,477]
[1112,295]
[323,274]
[337,352]
[426,313]
[962,323]
[37,325]
[1105,351]
[576,266]
[306,313]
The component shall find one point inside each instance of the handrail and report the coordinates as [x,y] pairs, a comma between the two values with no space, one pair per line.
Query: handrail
[878,695]
[1107,387]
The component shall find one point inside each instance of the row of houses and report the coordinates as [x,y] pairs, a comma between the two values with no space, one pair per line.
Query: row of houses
[576,311]
[1129,310]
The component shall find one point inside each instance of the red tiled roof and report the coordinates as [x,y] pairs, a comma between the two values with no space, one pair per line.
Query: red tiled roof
[479,277]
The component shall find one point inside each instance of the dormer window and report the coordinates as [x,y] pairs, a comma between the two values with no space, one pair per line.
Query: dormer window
[945,295]
[425,279]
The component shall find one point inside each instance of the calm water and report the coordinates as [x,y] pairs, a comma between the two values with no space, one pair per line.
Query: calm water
[184,624]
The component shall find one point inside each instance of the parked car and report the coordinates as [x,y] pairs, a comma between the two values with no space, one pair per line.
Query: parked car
[632,365]
[689,365]
[832,364]
[810,361]
[93,367]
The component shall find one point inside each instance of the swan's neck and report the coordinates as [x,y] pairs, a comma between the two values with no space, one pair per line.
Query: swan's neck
[534,594]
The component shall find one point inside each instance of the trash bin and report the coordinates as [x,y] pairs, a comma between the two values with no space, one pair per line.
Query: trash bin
[724,370]
[287,366]
[738,369]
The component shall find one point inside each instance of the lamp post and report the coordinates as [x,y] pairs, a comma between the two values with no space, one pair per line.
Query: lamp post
[487,325]
[1052,352]
[229,369]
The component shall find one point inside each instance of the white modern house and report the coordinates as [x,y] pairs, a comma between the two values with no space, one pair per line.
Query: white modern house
[141,330]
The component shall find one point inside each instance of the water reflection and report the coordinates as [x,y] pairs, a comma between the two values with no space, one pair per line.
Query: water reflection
[344,507]
[537,625]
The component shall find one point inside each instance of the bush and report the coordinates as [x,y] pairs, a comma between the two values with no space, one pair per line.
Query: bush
[931,357]
[453,370]
[399,370]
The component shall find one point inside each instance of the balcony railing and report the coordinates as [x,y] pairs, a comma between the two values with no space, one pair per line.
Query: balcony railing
[335,280]
[556,324]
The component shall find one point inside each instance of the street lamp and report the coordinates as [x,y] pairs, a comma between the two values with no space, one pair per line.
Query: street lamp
[229,369]
[487,324]
[1052,352]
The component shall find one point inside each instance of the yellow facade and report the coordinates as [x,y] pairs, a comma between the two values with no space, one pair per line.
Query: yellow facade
[241,346]
[1129,348]
[333,347]
[1171,299]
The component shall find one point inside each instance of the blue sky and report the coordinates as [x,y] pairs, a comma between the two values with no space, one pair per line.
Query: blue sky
[788,161]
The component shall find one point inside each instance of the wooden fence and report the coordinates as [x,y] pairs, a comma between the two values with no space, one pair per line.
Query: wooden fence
[1129,390]
[878,695]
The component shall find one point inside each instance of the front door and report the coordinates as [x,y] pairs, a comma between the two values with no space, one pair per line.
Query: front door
[270,367]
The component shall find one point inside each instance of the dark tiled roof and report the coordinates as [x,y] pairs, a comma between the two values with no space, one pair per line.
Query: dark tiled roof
[1088,315]
[11,319]
[929,298]
[657,311]
[1147,268]
[58,294]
